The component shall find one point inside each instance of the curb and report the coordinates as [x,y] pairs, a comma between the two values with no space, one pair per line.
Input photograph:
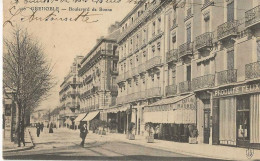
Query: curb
[23,149]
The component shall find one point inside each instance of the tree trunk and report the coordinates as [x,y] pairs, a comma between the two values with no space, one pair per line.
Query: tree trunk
[22,126]
[19,125]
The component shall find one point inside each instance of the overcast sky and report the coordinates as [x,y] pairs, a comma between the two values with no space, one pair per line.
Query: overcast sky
[62,41]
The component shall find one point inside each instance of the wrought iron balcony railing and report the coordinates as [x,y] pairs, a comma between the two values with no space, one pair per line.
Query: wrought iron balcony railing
[185,49]
[226,77]
[153,92]
[172,55]
[141,68]
[252,70]
[227,29]
[171,90]
[203,82]
[252,16]
[184,87]
[155,61]
[204,41]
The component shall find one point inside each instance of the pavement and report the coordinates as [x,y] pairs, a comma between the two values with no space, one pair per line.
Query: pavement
[9,146]
[63,144]
[199,150]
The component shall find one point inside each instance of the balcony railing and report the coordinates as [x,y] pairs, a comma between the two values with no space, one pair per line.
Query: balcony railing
[184,86]
[204,40]
[141,68]
[171,90]
[185,49]
[203,82]
[172,55]
[252,16]
[153,92]
[227,29]
[155,61]
[226,77]
[120,78]
[252,70]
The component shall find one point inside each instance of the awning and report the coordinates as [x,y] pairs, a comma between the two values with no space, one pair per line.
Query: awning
[68,121]
[91,116]
[80,117]
[179,110]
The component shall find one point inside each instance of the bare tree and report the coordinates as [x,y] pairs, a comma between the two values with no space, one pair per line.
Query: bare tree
[27,72]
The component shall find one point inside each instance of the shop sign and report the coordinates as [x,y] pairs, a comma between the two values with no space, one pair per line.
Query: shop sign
[187,103]
[242,89]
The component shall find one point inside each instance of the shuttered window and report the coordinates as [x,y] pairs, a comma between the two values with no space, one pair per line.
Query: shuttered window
[230,11]
[258,51]
[230,59]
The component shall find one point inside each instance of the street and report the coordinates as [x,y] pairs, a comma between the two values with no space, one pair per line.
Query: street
[63,144]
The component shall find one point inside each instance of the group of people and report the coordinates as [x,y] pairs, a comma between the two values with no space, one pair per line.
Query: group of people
[40,126]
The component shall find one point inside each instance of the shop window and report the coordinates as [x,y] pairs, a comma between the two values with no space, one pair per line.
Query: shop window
[243,106]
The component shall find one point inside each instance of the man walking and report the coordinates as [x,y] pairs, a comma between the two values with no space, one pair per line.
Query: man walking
[83,134]
[38,131]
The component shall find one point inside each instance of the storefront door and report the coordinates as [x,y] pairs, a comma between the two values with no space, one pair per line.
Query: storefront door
[206,125]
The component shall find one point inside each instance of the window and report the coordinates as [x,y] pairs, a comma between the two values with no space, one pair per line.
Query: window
[258,50]
[153,29]
[188,34]
[174,76]
[230,11]
[206,21]
[189,73]
[230,59]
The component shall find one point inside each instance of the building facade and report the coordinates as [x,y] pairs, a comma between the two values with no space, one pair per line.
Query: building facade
[69,95]
[98,74]
[198,58]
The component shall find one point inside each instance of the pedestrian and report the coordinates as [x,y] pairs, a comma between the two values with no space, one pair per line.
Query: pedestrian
[42,126]
[83,134]
[38,129]
[51,128]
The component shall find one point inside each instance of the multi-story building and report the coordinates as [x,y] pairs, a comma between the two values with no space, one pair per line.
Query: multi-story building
[192,62]
[69,95]
[98,74]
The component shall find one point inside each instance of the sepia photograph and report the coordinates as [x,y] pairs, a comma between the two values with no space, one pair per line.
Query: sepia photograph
[131,80]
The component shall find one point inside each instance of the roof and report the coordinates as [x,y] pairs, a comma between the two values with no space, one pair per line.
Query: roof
[131,12]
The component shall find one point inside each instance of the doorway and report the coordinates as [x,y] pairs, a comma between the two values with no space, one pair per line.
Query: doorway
[206,121]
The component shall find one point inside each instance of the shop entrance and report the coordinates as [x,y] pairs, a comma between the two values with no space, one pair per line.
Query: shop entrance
[206,126]
[243,123]
[206,121]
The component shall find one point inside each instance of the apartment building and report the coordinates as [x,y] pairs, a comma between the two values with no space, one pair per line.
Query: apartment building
[98,72]
[69,95]
[192,62]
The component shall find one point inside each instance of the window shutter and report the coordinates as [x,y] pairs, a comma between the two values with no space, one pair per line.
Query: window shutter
[188,34]
[230,12]
[230,60]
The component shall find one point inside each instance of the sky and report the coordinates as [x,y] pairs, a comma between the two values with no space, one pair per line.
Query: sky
[62,41]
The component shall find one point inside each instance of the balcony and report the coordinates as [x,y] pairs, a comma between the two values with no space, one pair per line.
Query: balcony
[203,82]
[185,49]
[207,3]
[204,41]
[227,29]
[141,68]
[184,87]
[172,55]
[154,62]
[171,90]
[153,92]
[120,78]
[252,70]
[226,77]
[252,17]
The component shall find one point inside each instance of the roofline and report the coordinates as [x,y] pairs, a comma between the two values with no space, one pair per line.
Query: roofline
[95,47]
[131,12]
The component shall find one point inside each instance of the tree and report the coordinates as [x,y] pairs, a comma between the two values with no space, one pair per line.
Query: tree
[27,72]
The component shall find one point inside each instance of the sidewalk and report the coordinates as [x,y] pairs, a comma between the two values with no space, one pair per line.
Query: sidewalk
[9,146]
[200,150]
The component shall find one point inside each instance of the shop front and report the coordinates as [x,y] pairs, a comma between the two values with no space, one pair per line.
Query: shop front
[237,115]
[173,116]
